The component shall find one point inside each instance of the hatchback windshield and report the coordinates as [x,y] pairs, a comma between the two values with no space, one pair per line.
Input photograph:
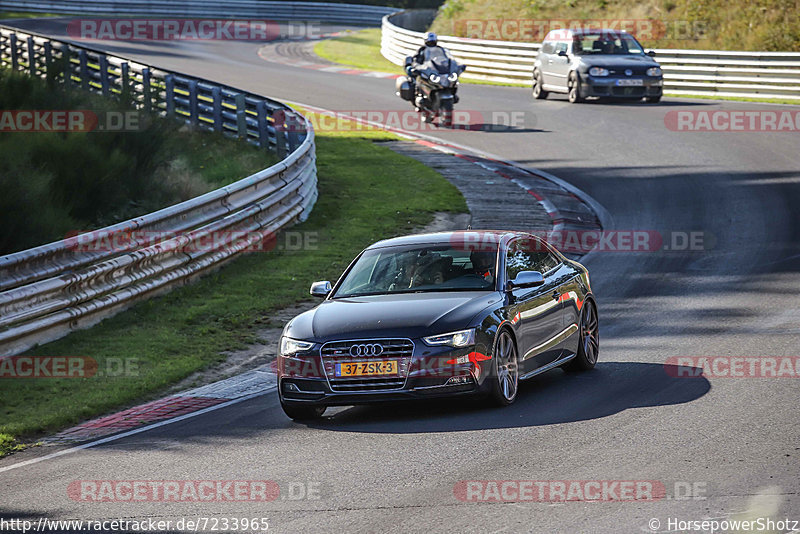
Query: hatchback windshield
[606,43]
[420,268]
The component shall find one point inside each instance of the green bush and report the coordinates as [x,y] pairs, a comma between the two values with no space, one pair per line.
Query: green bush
[55,183]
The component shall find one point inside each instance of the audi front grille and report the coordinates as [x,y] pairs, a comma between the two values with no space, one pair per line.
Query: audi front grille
[366,350]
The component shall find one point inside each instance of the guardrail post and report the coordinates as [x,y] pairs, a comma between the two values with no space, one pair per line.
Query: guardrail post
[216,94]
[146,98]
[104,75]
[280,123]
[169,94]
[241,116]
[194,118]
[263,133]
[48,58]
[31,56]
[84,69]
[12,43]
[125,93]
[293,125]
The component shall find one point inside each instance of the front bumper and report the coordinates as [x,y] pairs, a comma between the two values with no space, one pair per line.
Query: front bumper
[424,373]
[626,87]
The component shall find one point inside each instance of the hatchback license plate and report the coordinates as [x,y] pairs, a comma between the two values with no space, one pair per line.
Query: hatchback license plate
[630,83]
[348,369]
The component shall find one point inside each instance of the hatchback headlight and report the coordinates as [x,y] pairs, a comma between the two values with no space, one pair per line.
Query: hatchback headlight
[598,71]
[435,78]
[453,76]
[291,346]
[462,338]
[654,71]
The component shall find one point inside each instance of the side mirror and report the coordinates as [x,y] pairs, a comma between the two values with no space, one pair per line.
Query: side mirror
[651,53]
[408,61]
[562,53]
[462,68]
[525,279]
[321,289]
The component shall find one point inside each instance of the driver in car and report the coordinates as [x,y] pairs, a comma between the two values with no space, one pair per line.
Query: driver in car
[483,264]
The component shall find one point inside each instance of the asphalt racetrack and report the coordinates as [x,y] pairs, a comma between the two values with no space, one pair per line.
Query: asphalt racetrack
[734,442]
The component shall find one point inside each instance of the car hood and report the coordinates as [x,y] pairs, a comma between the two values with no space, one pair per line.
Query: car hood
[411,315]
[618,61]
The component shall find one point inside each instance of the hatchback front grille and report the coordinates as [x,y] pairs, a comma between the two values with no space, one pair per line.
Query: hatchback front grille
[399,350]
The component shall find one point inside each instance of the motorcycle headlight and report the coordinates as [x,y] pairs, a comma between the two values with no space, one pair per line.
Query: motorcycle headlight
[435,78]
[462,338]
[598,71]
[654,71]
[453,76]
[291,346]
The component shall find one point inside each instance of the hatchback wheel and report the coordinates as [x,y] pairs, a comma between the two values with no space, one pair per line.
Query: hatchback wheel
[574,86]
[538,92]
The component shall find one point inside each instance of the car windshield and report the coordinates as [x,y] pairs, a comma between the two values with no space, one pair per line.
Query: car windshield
[419,269]
[606,43]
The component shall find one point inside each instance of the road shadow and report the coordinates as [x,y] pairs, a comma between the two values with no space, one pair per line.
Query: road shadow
[551,398]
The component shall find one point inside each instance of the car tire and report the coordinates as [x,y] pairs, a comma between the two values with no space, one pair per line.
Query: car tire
[574,88]
[303,412]
[589,347]
[505,382]
[652,99]
[537,91]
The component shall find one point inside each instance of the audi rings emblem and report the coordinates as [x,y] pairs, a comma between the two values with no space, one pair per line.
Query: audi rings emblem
[366,349]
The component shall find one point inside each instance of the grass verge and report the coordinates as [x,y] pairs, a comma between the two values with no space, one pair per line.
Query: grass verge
[366,192]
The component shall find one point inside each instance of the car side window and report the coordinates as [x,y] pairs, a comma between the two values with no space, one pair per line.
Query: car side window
[548,47]
[528,255]
[561,47]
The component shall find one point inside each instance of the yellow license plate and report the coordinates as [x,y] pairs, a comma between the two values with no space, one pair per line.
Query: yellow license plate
[366,368]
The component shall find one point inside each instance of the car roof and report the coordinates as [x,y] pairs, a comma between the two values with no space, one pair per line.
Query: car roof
[459,236]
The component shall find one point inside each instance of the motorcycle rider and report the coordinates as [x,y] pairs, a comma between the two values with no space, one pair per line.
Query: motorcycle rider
[431,40]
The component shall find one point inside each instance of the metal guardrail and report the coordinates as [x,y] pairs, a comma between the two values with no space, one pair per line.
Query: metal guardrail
[686,72]
[270,10]
[47,291]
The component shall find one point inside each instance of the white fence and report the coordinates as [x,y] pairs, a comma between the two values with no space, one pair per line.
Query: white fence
[686,72]
[47,291]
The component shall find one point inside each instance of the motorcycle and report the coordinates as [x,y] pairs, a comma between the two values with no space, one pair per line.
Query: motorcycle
[431,86]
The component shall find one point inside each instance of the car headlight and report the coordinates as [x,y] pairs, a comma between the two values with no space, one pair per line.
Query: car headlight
[435,78]
[291,346]
[462,338]
[654,71]
[453,76]
[598,71]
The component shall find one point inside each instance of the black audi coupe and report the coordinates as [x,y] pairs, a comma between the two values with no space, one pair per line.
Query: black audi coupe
[432,315]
